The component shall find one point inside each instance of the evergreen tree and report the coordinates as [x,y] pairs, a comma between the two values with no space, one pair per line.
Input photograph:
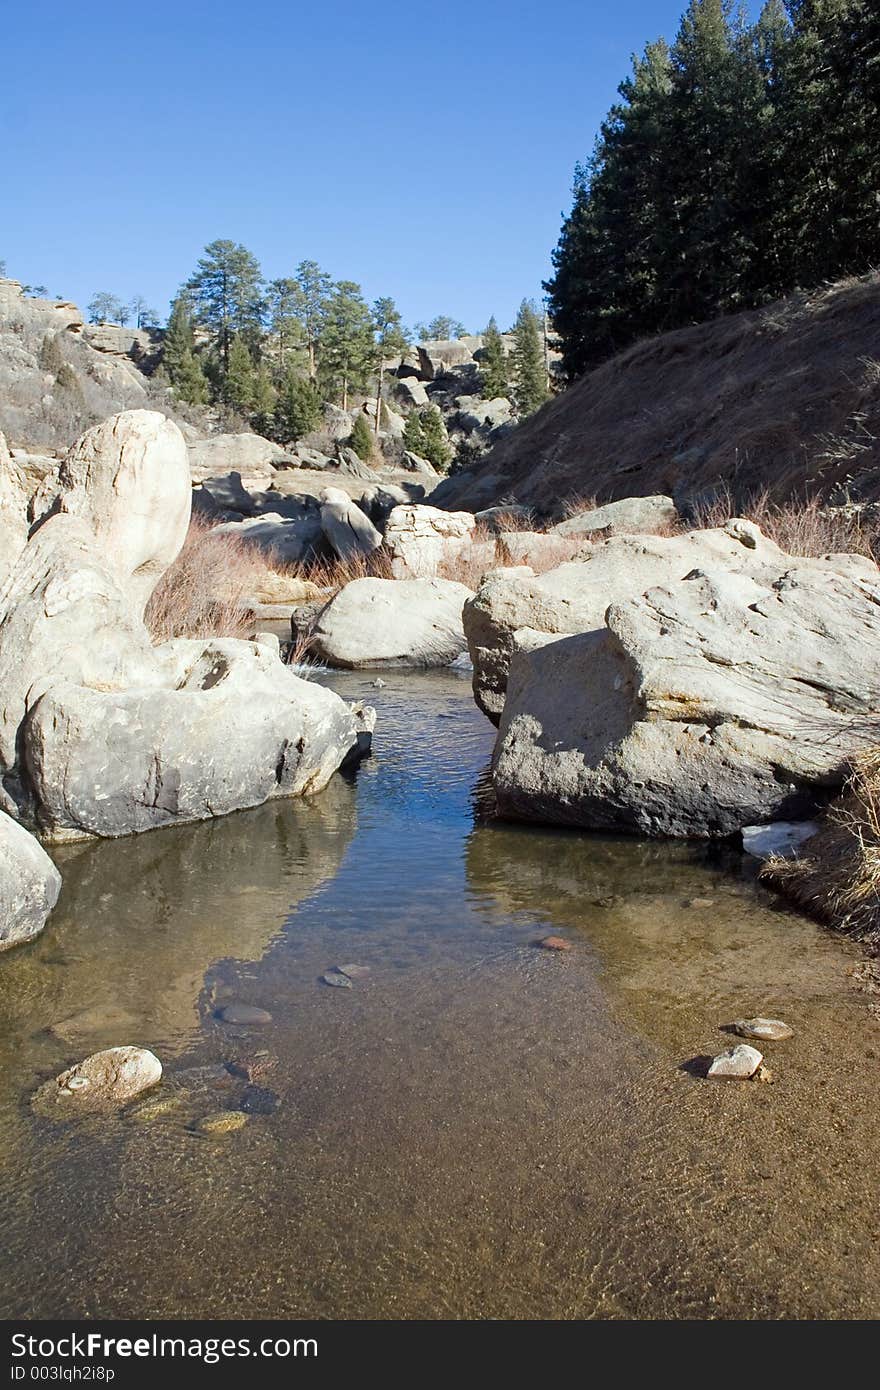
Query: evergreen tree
[106,308]
[435,441]
[414,435]
[494,364]
[391,340]
[263,399]
[347,351]
[298,409]
[226,295]
[284,303]
[361,439]
[179,360]
[442,328]
[313,287]
[239,379]
[529,366]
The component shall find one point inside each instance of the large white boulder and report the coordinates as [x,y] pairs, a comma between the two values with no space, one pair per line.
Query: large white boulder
[392,622]
[420,538]
[514,609]
[632,515]
[29,884]
[101,733]
[717,700]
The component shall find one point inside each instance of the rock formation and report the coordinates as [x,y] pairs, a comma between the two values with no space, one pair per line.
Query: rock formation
[100,732]
[387,622]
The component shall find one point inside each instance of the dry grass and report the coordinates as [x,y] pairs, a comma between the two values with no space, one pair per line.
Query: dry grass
[800,527]
[837,879]
[207,591]
[331,575]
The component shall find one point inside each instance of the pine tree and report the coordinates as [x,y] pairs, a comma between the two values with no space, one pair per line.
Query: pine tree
[179,360]
[442,328]
[239,380]
[298,409]
[361,439]
[314,288]
[529,367]
[348,348]
[391,340]
[263,399]
[283,306]
[414,435]
[494,363]
[226,295]
[435,441]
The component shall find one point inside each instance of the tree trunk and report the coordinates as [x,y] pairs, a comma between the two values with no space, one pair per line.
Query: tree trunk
[345,393]
[379,398]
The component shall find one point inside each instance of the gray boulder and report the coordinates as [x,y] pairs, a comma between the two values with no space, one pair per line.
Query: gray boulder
[347,530]
[286,539]
[249,455]
[379,501]
[387,622]
[631,516]
[29,884]
[414,463]
[476,414]
[719,700]
[228,494]
[101,1083]
[410,392]
[437,357]
[350,463]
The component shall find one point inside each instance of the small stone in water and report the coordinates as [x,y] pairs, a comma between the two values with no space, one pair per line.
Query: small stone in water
[333,977]
[259,1100]
[700,902]
[554,943]
[767,1029]
[737,1063]
[378,683]
[353,972]
[223,1122]
[243,1014]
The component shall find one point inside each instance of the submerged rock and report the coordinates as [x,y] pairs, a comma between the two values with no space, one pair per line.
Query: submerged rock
[553,943]
[222,1122]
[766,1029]
[244,1014]
[783,838]
[104,1081]
[336,979]
[737,1063]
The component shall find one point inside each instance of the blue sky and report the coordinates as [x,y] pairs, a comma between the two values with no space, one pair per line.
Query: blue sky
[423,150]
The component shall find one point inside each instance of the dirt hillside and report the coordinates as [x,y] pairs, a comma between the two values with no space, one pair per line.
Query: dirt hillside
[785,398]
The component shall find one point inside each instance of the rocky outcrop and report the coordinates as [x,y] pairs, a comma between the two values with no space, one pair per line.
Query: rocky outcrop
[438,356]
[29,884]
[516,610]
[100,732]
[282,539]
[726,696]
[420,538]
[387,622]
[639,515]
[249,455]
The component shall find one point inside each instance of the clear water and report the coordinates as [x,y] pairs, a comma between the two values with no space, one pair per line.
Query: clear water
[476,1128]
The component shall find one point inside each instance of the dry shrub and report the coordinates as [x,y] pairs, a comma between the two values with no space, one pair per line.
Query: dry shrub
[577,503]
[837,877]
[207,591]
[331,575]
[802,526]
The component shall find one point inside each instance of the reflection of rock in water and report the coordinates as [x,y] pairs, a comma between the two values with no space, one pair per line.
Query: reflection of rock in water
[676,936]
[141,920]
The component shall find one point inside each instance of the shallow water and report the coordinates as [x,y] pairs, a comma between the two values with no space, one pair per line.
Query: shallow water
[476,1128]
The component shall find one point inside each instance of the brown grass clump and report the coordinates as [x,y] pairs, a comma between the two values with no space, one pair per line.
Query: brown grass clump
[837,877]
[802,526]
[207,591]
[331,575]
